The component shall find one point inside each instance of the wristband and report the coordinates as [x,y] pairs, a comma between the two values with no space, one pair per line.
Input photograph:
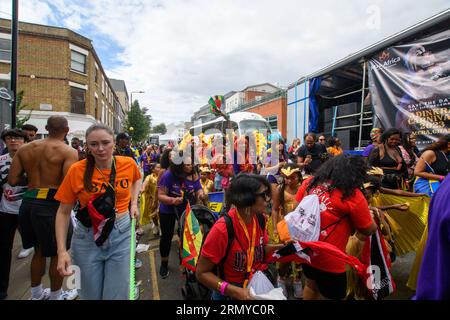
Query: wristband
[223,286]
[441,178]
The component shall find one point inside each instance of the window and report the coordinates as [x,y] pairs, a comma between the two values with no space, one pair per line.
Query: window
[5,49]
[247,127]
[103,112]
[78,62]
[273,122]
[78,101]
[96,75]
[96,108]
[4,83]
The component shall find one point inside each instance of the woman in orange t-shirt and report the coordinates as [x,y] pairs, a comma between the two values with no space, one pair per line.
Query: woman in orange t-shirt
[104,267]
[334,146]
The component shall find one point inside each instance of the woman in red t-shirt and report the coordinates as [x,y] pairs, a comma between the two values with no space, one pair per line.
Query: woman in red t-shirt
[343,208]
[249,195]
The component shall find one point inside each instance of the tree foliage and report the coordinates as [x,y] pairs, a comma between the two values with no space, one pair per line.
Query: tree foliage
[160,128]
[139,121]
[21,120]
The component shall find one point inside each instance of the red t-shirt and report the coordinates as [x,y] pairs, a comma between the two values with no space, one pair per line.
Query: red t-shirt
[338,218]
[235,266]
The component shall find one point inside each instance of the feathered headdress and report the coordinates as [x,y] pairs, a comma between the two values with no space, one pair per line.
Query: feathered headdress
[289,171]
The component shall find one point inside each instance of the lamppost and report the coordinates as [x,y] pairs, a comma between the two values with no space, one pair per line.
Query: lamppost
[14,49]
[131,93]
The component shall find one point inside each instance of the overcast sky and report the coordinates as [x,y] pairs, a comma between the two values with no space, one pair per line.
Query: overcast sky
[180,52]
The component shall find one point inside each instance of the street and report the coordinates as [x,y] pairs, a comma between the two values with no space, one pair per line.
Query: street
[152,287]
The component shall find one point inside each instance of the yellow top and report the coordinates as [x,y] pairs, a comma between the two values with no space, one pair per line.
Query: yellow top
[151,185]
[207,186]
[289,202]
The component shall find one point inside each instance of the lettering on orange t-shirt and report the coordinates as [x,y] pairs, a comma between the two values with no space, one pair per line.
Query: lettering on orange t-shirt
[72,187]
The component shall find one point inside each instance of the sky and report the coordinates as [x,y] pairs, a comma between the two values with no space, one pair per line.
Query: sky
[181,52]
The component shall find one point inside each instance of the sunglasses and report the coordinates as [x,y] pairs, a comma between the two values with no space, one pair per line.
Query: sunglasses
[266,194]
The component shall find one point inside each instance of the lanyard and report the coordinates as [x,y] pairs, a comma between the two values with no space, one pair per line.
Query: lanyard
[112,168]
[251,243]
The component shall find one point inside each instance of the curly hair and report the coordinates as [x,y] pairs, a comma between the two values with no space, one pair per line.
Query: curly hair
[345,173]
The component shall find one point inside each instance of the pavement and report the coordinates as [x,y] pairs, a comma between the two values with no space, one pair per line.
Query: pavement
[153,287]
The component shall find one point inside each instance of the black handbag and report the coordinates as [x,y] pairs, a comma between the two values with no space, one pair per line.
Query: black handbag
[102,206]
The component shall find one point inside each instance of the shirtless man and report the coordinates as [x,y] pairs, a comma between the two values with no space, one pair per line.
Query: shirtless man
[44,163]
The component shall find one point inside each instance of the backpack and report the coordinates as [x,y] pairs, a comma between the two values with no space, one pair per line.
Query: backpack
[302,224]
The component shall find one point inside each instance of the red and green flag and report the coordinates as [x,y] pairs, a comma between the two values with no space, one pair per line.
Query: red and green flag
[215,104]
[192,240]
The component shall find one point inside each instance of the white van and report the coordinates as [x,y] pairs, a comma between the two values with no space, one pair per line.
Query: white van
[243,123]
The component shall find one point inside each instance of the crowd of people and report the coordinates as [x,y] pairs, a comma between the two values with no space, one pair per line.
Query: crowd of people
[74,204]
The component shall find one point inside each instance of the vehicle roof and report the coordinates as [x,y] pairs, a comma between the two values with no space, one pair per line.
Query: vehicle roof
[236,117]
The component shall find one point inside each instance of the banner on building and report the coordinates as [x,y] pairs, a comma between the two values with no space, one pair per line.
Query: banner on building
[410,87]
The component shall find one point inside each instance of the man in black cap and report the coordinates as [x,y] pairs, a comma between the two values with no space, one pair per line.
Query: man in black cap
[11,199]
[123,146]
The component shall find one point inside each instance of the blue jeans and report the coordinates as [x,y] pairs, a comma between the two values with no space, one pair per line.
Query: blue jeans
[105,270]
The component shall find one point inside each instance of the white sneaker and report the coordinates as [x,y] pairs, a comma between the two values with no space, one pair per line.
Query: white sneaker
[45,295]
[138,264]
[282,284]
[25,253]
[68,294]
[298,289]
[155,230]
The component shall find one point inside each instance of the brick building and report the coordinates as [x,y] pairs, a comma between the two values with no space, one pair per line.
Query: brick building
[273,107]
[249,94]
[60,73]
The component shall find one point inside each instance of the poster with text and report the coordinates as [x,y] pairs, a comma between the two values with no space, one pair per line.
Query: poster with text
[410,87]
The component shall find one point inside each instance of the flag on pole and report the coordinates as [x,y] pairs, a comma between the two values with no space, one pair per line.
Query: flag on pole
[375,255]
[192,240]
[215,105]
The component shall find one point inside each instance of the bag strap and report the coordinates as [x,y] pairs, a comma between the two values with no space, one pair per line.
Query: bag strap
[230,232]
[112,176]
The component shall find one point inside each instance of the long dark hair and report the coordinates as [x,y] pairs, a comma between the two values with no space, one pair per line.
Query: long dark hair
[441,144]
[165,159]
[90,160]
[343,172]
[178,169]
[406,143]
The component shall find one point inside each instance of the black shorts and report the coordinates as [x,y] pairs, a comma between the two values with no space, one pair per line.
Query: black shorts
[37,226]
[331,285]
